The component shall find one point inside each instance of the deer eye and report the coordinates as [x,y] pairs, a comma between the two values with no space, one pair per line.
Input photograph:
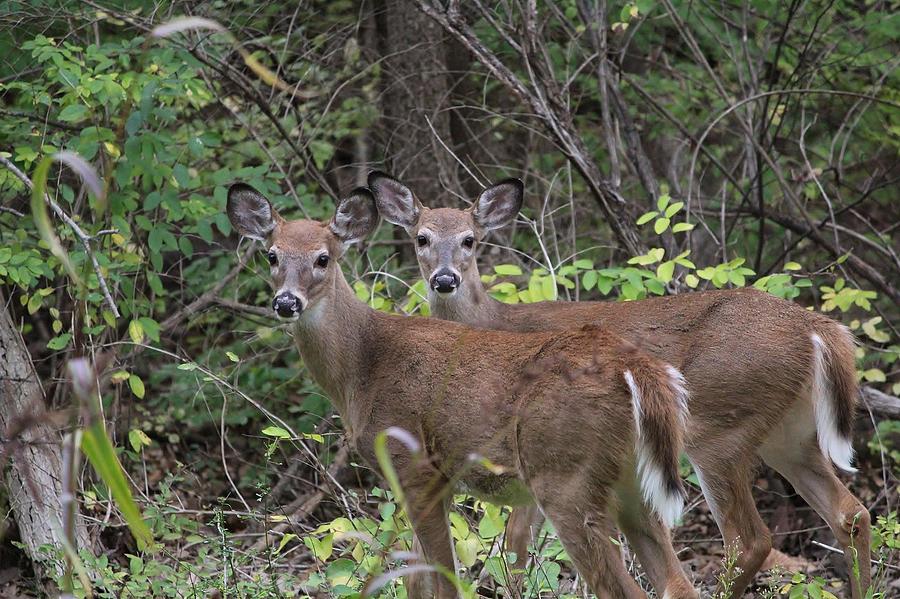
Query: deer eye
[421,240]
[469,241]
[322,261]
[273,259]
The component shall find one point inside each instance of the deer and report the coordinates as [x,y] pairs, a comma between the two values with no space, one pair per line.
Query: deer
[580,422]
[769,380]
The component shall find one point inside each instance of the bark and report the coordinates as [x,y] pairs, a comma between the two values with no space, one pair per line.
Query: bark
[30,447]
[416,88]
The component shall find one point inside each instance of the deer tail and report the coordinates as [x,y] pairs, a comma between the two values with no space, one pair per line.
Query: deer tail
[835,392]
[659,401]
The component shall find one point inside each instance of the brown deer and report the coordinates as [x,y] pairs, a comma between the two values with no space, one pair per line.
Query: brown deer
[768,379]
[579,421]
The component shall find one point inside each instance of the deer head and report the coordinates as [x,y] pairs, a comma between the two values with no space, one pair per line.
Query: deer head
[446,238]
[302,253]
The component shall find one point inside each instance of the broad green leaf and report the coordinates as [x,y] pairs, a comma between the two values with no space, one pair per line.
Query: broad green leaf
[138,439]
[136,331]
[682,227]
[647,217]
[277,432]
[73,113]
[874,375]
[665,271]
[507,270]
[60,342]
[137,386]
[660,225]
[467,551]
[793,266]
[673,209]
[663,201]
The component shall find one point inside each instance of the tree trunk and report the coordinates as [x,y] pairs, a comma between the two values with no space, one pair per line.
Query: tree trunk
[415,91]
[31,449]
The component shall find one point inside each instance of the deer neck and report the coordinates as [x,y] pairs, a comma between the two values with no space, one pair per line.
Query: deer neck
[470,304]
[331,338]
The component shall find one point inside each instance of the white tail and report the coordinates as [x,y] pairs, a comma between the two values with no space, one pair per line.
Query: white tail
[660,483]
[833,444]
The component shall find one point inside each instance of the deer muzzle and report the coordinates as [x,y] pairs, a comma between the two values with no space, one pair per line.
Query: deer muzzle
[445,281]
[287,305]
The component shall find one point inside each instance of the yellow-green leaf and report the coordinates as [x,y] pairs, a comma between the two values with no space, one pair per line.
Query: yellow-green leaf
[507,270]
[660,225]
[136,331]
[137,386]
[138,439]
[665,271]
[277,432]
[874,375]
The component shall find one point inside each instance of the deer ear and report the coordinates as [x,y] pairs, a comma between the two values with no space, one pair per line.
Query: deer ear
[356,216]
[499,204]
[250,212]
[395,201]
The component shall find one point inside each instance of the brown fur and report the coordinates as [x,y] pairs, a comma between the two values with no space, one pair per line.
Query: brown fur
[746,355]
[462,392]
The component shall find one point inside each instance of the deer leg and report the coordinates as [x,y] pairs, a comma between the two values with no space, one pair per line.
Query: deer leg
[580,513]
[727,486]
[523,521]
[813,477]
[652,542]
[428,505]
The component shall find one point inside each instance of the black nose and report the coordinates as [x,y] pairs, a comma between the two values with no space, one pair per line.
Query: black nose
[444,281]
[286,305]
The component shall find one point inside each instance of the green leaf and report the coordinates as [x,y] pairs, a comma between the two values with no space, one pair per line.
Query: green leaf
[647,217]
[548,288]
[285,539]
[663,201]
[673,209]
[277,432]
[869,327]
[682,227]
[583,264]
[874,375]
[507,270]
[138,439]
[665,271]
[73,113]
[467,551]
[100,453]
[136,331]
[660,225]
[232,356]
[58,343]
[137,386]
[793,266]
[589,280]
